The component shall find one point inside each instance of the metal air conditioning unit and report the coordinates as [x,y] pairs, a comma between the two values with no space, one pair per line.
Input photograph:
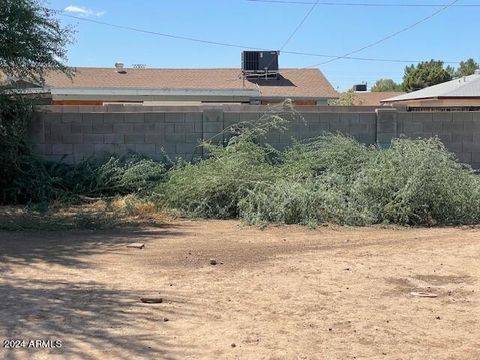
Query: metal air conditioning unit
[260,62]
[360,87]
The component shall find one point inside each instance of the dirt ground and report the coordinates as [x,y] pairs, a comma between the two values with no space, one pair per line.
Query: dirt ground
[279,293]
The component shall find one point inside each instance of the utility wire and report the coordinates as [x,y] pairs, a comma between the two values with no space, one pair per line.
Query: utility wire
[364,4]
[299,25]
[210,42]
[388,37]
[295,30]
[362,58]
[172,36]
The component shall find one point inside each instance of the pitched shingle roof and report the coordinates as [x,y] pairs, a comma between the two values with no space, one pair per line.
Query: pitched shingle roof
[295,83]
[468,86]
[373,98]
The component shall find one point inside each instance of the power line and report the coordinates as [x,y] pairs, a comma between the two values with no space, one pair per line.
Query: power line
[296,29]
[300,25]
[238,46]
[172,36]
[388,37]
[359,4]
[363,58]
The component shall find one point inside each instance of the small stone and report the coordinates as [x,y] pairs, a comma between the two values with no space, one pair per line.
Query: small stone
[213,262]
[136,245]
[330,329]
[233,345]
[424,294]
[165,319]
[438,318]
[151,300]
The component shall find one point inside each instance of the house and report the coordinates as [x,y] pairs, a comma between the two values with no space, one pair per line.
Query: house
[97,86]
[372,98]
[457,94]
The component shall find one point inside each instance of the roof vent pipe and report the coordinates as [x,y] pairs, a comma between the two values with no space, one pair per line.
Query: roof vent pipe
[119,68]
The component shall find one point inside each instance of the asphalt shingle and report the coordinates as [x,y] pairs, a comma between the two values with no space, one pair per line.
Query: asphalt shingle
[291,82]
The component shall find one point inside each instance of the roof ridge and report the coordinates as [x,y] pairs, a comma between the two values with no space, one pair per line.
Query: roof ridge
[169,68]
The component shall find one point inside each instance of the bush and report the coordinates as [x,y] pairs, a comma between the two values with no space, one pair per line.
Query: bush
[108,177]
[415,182]
[24,177]
[331,178]
[309,202]
[333,153]
[418,182]
[28,179]
[213,187]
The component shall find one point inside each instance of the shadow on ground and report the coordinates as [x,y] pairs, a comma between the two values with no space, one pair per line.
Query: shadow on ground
[92,321]
[70,248]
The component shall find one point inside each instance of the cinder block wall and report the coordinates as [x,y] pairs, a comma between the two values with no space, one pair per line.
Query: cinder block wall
[70,137]
[459,131]
[70,134]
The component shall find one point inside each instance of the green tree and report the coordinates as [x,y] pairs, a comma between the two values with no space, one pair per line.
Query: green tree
[425,74]
[32,40]
[386,85]
[345,99]
[466,68]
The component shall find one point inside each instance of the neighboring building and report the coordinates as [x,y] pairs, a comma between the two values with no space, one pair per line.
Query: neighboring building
[458,94]
[372,98]
[96,86]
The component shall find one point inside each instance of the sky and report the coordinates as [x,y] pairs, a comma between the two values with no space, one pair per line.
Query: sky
[452,35]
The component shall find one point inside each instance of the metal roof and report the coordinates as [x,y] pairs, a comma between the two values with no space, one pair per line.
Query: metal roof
[467,86]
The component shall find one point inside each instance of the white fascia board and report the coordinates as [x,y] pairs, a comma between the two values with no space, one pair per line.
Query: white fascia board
[278,97]
[151,94]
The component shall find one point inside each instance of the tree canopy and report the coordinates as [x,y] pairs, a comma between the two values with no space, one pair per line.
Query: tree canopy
[466,68]
[32,40]
[383,85]
[345,99]
[425,74]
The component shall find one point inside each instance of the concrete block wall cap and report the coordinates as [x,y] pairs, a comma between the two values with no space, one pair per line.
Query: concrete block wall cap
[385,110]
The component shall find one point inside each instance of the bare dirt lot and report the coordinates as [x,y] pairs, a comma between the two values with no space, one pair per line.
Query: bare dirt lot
[279,293]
